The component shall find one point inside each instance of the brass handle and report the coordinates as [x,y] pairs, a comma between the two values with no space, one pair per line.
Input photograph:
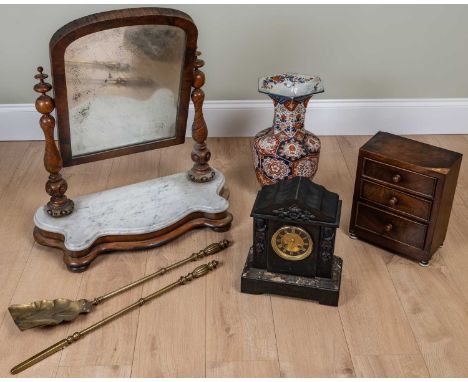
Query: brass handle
[396,178]
[199,271]
[393,201]
[388,227]
[210,250]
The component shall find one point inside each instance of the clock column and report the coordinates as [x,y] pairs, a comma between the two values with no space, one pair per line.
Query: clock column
[259,248]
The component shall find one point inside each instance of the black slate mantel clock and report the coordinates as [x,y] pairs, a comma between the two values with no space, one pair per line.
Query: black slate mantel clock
[294,228]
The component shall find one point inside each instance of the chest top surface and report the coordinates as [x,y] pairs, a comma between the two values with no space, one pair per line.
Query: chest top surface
[409,151]
[300,200]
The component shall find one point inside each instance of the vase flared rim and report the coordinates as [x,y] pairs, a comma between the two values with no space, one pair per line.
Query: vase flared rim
[290,85]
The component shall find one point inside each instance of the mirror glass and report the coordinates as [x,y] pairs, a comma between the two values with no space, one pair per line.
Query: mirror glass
[123,86]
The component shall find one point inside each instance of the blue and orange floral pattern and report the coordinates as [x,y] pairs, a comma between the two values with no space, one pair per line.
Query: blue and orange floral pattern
[289,117]
[291,149]
[305,167]
[275,168]
[292,157]
[268,145]
[286,149]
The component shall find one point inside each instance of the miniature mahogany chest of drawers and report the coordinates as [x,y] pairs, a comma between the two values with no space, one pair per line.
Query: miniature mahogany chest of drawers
[403,195]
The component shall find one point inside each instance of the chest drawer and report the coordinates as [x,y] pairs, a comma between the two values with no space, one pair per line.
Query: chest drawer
[412,181]
[396,200]
[391,226]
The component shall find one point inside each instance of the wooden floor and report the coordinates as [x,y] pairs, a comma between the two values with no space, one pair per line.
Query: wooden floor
[394,317]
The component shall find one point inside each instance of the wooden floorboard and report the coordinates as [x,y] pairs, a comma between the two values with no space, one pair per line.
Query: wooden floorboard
[324,347]
[455,248]
[44,274]
[394,319]
[367,284]
[171,331]
[111,272]
[240,334]
[392,365]
[16,169]
[425,294]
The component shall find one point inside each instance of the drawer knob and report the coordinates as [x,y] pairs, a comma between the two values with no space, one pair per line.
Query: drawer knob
[396,178]
[388,227]
[393,201]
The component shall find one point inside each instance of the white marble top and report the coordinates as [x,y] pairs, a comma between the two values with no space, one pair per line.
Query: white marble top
[135,209]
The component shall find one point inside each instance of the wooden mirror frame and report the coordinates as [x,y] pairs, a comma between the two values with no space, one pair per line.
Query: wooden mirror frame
[109,20]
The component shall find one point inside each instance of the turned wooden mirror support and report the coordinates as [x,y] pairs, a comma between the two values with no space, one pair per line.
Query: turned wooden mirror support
[201,170]
[136,71]
[59,205]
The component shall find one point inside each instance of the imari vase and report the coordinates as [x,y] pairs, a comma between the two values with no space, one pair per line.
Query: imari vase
[286,149]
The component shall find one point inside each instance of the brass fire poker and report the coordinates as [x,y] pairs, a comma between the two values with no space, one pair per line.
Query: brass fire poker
[53,312]
[196,273]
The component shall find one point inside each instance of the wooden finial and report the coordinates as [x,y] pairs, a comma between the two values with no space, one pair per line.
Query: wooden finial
[56,186]
[201,170]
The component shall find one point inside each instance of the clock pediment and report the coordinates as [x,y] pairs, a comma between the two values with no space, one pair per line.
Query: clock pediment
[298,199]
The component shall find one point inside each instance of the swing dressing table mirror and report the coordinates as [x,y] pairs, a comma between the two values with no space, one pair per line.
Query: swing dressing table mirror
[122,84]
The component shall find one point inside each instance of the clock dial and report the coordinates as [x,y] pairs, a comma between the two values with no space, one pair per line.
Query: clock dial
[292,243]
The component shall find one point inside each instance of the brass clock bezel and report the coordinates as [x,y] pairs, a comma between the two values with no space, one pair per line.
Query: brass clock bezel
[285,256]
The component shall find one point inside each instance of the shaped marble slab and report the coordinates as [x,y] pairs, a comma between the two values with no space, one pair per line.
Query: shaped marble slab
[135,209]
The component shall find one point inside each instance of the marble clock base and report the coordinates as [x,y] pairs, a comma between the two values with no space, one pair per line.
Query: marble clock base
[138,216]
[259,281]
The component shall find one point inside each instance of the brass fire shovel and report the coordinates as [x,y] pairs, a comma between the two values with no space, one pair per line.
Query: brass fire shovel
[53,312]
[198,272]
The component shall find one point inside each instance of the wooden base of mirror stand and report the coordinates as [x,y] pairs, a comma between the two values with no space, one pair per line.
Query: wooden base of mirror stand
[79,261]
[138,216]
